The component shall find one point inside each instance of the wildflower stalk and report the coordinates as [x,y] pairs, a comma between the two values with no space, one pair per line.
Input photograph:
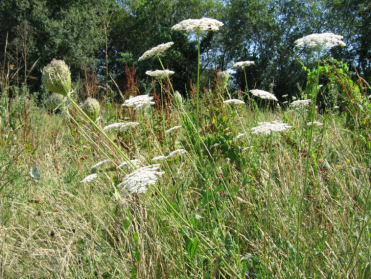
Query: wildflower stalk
[309,136]
[246,86]
[198,78]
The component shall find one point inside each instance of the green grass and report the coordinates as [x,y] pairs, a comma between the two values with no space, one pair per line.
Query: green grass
[257,207]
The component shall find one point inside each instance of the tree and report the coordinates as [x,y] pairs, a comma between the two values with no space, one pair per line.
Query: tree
[63,29]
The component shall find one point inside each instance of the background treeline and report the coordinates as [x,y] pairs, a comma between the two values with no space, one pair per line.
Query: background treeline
[102,36]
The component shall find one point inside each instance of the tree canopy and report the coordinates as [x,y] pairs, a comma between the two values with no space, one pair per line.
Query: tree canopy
[108,34]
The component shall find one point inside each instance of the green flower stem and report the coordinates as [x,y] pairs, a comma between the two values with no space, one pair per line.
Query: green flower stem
[246,86]
[168,77]
[309,137]
[198,78]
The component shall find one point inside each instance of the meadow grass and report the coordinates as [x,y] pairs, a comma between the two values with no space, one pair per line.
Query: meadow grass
[259,206]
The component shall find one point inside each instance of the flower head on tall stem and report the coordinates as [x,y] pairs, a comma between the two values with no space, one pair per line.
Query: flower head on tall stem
[56,77]
[160,74]
[198,25]
[243,64]
[268,127]
[140,179]
[263,94]
[155,51]
[326,40]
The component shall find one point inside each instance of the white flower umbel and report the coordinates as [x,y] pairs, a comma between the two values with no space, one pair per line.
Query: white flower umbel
[160,74]
[326,40]
[315,123]
[177,152]
[155,51]
[99,164]
[234,102]
[269,127]
[159,158]
[123,126]
[139,101]
[89,178]
[263,94]
[198,25]
[140,179]
[135,162]
[300,104]
[240,136]
[172,129]
[243,64]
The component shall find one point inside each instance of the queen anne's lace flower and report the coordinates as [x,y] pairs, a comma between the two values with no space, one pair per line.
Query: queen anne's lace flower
[89,178]
[177,152]
[172,129]
[268,127]
[140,179]
[99,164]
[155,51]
[91,107]
[327,40]
[134,162]
[160,74]
[159,158]
[240,136]
[139,101]
[198,25]
[234,102]
[315,123]
[300,103]
[123,126]
[263,94]
[56,77]
[54,101]
[243,64]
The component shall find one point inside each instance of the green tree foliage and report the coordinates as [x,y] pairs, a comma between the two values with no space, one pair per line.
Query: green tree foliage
[138,25]
[41,30]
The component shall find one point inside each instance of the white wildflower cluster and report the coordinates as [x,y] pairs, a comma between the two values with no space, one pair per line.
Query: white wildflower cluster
[155,51]
[134,162]
[240,136]
[327,40]
[139,101]
[243,64]
[268,127]
[175,153]
[123,126]
[99,165]
[198,25]
[140,179]
[263,94]
[234,102]
[315,123]
[159,158]
[89,178]
[160,74]
[300,104]
[172,129]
